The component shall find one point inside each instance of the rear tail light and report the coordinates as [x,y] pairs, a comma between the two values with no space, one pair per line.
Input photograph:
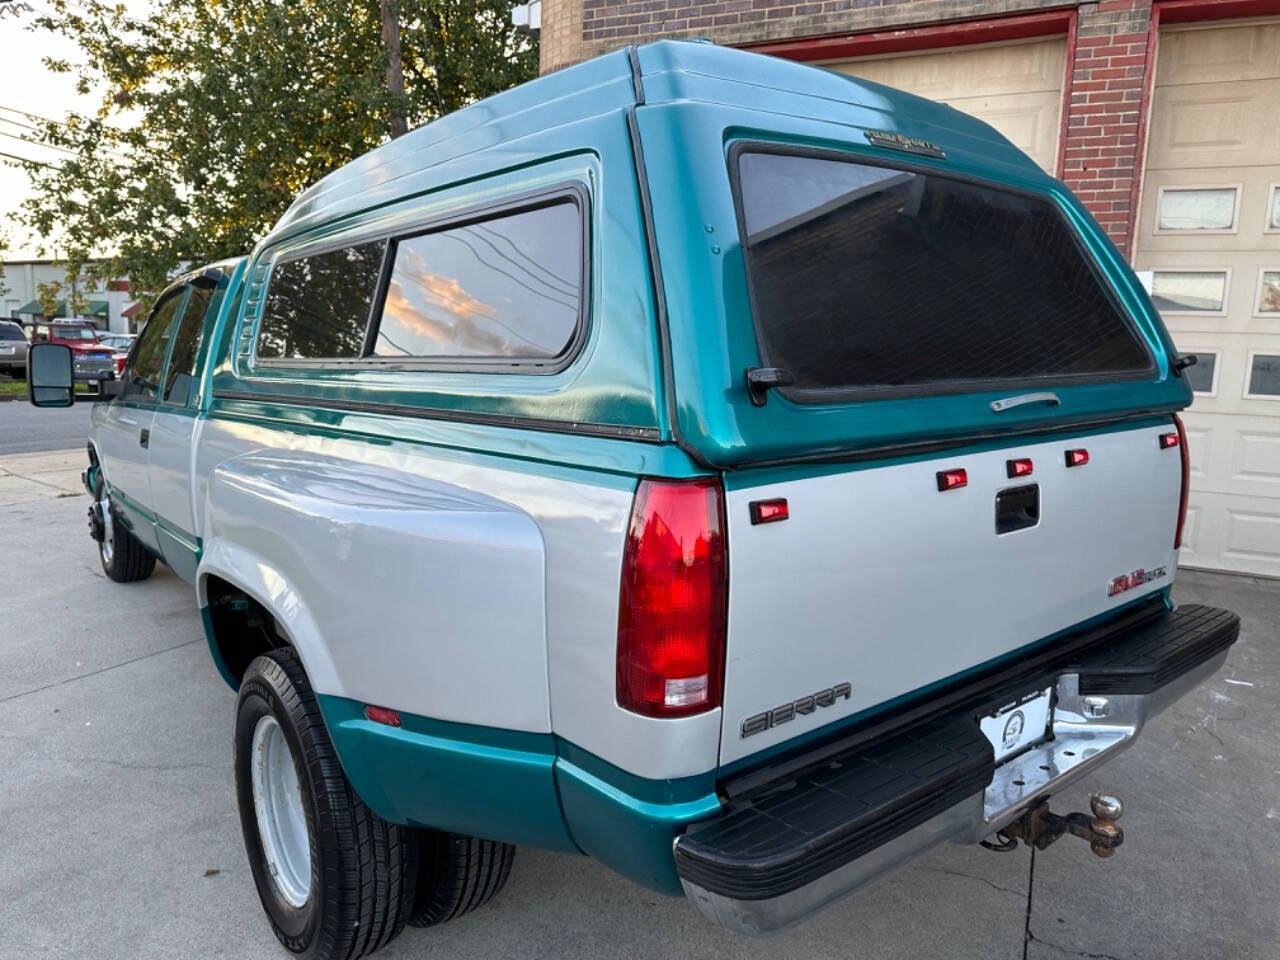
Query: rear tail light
[1181,438]
[673,604]
[1168,440]
[952,479]
[1077,458]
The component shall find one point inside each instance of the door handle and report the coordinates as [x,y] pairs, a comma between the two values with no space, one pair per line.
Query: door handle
[1008,403]
[144,437]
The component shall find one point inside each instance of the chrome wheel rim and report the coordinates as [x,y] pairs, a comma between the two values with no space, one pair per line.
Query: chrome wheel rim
[108,544]
[282,823]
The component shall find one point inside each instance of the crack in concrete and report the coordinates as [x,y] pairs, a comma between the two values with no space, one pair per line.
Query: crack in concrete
[1032,938]
[970,876]
[94,673]
[44,755]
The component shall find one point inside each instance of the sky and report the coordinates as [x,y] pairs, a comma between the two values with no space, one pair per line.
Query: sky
[26,87]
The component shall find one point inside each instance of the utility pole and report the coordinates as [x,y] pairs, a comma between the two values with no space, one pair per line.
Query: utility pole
[395,68]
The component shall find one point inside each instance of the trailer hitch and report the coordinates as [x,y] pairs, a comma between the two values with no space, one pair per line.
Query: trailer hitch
[1039,827]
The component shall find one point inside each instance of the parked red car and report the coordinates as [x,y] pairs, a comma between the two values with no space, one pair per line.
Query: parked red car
[119,344]
[91,360]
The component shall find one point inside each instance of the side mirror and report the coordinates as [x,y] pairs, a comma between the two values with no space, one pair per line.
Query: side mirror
[50,380]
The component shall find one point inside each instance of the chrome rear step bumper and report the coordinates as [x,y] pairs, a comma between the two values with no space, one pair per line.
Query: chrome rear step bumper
[789,847]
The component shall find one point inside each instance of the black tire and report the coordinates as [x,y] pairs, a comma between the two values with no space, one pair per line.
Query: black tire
[363,869]
[129,560]
[457,874]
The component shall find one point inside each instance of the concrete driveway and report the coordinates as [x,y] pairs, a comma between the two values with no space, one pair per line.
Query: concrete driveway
[119,835]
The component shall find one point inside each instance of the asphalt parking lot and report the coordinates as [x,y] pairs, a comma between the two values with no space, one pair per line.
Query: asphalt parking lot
[119,835]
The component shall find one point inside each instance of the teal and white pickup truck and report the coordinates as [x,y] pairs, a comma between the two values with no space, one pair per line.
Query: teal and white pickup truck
[739,473]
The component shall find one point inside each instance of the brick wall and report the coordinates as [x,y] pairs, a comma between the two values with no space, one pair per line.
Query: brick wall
[1108,79]
[574,30]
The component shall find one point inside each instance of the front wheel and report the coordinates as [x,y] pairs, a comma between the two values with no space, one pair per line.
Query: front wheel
[124,558]
[336,880]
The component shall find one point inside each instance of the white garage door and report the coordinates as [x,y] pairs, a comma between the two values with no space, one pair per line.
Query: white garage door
[1209,231]
[1015,87]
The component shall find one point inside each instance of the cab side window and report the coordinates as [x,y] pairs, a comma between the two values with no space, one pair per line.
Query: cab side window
[180,378]
[146,365]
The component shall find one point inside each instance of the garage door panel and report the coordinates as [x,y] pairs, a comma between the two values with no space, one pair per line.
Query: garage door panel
[1028,120]
[978,70]
[1213,55]
[1250,197]
[1232,533]
[1017,88]
[1256,460]
[1234,456]
[1254,537]
[1214,125]
[1241,272]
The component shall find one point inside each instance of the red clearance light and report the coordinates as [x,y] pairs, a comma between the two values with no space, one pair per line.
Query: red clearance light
[1168,440]
[672,608]
[383,715]
[1077,458]
[769,511]
[1181,437]
[952,479]
[1018,468]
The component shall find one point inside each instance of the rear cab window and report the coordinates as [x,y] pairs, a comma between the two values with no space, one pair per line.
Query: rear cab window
[870,281]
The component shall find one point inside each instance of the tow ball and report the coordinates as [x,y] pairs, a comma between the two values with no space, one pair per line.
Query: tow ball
[1039,827]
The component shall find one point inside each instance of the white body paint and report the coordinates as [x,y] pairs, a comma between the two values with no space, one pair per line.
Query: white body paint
[458,588]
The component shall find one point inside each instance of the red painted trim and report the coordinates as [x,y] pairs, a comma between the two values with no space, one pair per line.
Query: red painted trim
[1193,11]
[1144,114]
[1064,127]
[953,34]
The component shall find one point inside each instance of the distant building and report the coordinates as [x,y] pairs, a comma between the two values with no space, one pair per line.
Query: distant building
[107,304]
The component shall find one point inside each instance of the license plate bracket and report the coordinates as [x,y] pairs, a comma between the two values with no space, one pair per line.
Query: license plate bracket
[1019,725]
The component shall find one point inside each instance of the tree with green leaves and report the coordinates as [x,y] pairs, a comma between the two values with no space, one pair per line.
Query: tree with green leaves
[214,114]
[47,297]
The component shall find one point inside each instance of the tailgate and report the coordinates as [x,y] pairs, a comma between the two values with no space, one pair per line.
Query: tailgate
[879,580]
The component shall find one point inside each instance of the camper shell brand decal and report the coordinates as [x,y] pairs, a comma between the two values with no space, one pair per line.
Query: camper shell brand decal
[789,711]
[1131,581]
[896,141]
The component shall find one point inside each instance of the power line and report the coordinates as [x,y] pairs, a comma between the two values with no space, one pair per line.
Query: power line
[37,143]
[37,116]
[38,163]
[51,146]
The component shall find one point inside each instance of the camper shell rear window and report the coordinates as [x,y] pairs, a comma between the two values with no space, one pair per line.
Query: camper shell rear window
[870,280]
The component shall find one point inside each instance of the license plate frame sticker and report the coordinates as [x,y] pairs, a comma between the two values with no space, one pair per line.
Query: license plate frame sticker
[1020,724]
